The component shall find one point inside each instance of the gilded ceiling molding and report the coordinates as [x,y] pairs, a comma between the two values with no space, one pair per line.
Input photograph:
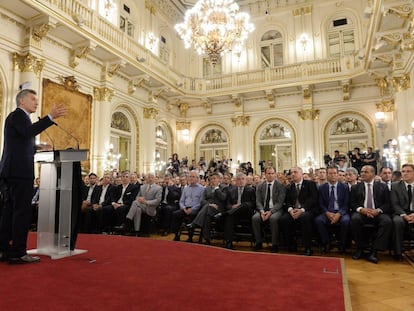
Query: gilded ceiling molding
[40,32]
[346,90]
[182,125]
[69,83]
[150,113]
[402,11]
[270,98]
[78,54]
[150,7]
[183,109]
[386,106]
[382,83]
[240,120]
[237,100]
[302,10]
[307,94]
[401,83]
[103,94]
[308,114]
[208,107]
[113,69]
[28,63]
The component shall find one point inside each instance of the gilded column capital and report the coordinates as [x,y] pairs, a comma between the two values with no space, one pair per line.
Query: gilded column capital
[150,113]
[308,114]
[182,125]
[386,106]
[401,83]
[240,120]
[28,63]
[103,94]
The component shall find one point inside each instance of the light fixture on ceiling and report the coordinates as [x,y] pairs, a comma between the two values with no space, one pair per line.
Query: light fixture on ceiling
[213,27]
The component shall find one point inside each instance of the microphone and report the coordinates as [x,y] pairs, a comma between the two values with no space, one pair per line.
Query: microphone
[50,138]
[68,133]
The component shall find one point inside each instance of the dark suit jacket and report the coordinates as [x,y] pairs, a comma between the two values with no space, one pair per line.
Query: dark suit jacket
[278,196]
[308,196]
[129,196]
[399,198]
[96,195]
[173,195]
[248,198]
[212,196]
[19,145]
[342,192]
[381,196]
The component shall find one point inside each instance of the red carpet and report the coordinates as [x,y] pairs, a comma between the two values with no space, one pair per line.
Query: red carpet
[147,274]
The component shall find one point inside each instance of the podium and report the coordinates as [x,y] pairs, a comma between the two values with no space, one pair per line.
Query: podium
[59,202]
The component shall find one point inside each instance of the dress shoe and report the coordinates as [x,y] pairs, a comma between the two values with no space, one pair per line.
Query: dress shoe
[190,226]
[229,245]
[176,238]
[258,246]
[275,249]
[397,257]
[23,260]
[373,257]
[165,233]
[358,254]
[218,215]
[308,252]
[3,256]
[207,242]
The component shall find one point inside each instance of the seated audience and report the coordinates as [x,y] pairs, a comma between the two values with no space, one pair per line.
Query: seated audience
[369,204]
[402,207]
[333,203]
[301,205]
[190,203]
[171,194]
[270,196]
[147,201]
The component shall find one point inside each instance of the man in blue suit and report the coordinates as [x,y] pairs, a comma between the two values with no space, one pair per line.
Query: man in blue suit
[334,205]
[17,174]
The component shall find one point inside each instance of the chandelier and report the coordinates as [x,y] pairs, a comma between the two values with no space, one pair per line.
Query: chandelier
[213,27]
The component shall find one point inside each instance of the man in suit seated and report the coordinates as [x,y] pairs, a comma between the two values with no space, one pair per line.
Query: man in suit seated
[301,205]
[402,207]
[93,219]
[369,204]
[241,203]
[122,197]
[170,198]
[334,205]
[147,201]
[190,203]
[89,194]
[213,201]
[270,196]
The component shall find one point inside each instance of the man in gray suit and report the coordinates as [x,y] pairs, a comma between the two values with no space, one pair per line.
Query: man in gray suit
[147,201]
[402,206]
[270,196]
[213,202]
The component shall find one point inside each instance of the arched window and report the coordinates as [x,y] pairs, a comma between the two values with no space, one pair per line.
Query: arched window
[121,137]
[341,36]
[275,142]
[346,131]
[161,148]
[213,143]
[271,49]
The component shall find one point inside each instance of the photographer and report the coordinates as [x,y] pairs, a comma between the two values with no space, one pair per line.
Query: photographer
[371,158]
[355,158]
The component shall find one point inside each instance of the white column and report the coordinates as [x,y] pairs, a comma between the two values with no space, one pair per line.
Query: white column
[148,139]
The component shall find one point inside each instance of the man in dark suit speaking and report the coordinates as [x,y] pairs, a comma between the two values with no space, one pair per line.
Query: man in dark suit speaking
[17,173]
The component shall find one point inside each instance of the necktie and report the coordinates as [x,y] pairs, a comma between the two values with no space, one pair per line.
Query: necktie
[410,196]
[369,197]
[239,194]
[267,202]
[297,196]
[331,206]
